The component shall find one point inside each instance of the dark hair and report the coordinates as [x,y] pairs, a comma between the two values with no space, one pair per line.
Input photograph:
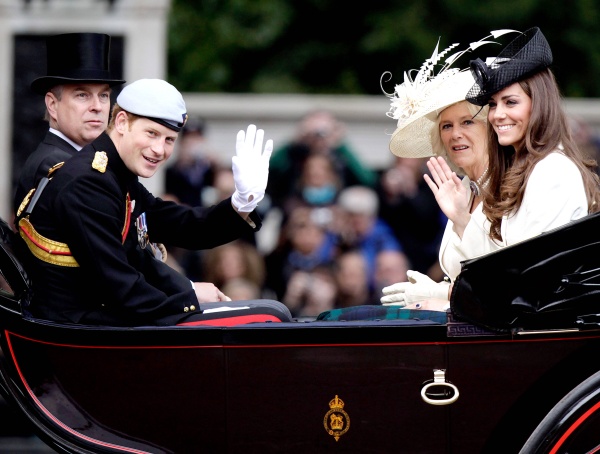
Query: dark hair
[511,167]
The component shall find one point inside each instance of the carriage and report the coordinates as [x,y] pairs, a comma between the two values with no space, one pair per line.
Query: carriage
[513,368]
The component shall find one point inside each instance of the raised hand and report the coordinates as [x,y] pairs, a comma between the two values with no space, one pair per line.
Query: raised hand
[250,169]
[451,195]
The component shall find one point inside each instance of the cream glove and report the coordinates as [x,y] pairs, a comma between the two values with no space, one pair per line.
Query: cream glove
[250,169]
[419,287]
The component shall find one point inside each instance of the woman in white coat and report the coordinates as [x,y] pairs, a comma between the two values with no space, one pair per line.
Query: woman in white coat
[435,121]
[459,134]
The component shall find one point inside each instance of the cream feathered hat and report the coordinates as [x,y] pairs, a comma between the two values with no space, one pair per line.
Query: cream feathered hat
[416,103]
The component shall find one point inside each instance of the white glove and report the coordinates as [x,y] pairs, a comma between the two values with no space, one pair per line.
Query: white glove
[419,287]
[250,169]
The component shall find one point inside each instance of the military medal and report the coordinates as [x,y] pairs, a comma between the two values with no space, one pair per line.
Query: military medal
[142,230]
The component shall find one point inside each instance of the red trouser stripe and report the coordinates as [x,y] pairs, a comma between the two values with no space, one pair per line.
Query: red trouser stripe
[231,321]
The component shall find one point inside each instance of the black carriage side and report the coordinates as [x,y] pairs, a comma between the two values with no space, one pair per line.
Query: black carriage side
[353,387]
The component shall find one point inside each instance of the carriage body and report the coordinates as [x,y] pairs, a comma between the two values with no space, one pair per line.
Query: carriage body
[378,386]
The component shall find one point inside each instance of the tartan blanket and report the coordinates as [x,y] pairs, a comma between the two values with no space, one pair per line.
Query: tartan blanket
[375,312]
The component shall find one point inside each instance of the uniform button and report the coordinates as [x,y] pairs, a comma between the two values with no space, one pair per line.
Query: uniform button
[186,309]
[192,307]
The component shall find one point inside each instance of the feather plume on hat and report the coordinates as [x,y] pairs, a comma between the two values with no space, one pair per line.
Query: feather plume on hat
[416,103]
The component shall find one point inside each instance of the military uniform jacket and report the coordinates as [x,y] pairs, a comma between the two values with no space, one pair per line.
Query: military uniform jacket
[52,150]
[116,282]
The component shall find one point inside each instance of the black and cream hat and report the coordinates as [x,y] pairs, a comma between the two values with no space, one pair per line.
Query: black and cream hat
[156,100]
[528,54]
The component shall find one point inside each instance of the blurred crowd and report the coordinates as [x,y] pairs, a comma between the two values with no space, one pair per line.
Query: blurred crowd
[335,231]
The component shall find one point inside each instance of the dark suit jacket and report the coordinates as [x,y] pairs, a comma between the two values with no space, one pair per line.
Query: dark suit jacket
[117,283]
[49,152]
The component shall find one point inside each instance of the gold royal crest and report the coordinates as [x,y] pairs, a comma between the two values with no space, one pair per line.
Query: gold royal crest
[336,420]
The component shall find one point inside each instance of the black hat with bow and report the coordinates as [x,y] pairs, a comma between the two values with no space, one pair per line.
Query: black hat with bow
[523,57]
[74,58]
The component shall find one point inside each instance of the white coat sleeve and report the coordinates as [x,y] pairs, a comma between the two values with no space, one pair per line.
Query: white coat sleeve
[554,196]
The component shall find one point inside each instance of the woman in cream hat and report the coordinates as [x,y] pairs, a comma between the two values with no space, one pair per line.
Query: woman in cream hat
[435,121]
[538,178]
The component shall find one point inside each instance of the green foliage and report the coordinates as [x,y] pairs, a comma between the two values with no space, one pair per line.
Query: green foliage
[324,46]
[210,40]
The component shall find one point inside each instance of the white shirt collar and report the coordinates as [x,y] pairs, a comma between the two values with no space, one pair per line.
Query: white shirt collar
[62,136]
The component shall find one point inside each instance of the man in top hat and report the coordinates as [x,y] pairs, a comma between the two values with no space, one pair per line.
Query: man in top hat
[84,233]
[77,94]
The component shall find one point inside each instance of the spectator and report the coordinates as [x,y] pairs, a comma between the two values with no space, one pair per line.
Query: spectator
[319,132]
[310,293]
[194,166]
[390,267]
[318,185]
[409,207]
[235,260]
[241,289]
[585,137]
[352,280]
[221,186]
[361,228]
[306,249]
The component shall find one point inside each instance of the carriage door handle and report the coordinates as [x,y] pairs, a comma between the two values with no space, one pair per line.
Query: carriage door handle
[439,391]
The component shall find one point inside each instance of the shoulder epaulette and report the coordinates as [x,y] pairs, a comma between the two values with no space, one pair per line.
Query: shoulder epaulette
[29,201]
[100,161]
[54,168]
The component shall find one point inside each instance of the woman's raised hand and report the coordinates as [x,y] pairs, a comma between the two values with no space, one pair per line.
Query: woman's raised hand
[451,195]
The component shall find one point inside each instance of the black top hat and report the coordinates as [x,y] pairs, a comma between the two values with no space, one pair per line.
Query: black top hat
[76,57]
[523,57]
